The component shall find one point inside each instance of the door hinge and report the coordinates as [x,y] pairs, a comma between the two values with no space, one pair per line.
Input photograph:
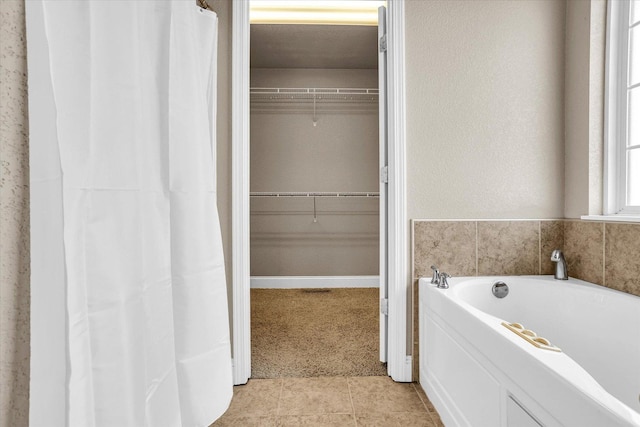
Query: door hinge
[383,43]
[384,306]
[384,174]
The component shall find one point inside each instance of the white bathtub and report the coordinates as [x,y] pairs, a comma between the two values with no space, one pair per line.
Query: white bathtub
[478,373]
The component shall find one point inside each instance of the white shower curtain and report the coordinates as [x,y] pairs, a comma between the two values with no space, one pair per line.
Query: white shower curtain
[129,305]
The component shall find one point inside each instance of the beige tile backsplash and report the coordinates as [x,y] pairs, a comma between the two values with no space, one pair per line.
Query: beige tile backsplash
[433,241]
[606,253]
[482,248]
[583,250]
[622,257]
[603,253]
[508,247]
[551,237]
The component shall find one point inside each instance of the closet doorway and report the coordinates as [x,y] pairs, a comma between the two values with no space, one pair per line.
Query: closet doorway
[314,200]
[399,363]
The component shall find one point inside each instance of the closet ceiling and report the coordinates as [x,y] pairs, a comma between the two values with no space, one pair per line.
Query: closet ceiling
[314,46]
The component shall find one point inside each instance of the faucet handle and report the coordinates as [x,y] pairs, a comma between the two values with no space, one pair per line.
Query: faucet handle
[556,255]
[443,284]
[435,279]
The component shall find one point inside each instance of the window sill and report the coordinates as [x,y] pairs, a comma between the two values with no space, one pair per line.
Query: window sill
[611,218]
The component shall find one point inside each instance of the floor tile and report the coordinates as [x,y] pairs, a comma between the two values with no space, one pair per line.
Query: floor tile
[423,396]
[427,403]
[245,421]
[376,395]
[437,422]
[329,401]
[325,420]
[256,398]
[310,396]
[396,419]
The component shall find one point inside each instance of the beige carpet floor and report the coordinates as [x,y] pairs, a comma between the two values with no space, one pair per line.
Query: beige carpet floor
[315,332]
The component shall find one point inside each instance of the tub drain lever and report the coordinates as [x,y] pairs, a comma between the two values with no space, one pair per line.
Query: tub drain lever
[500,289]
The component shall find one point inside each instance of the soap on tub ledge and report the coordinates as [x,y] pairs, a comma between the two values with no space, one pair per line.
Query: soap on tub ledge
[530,336]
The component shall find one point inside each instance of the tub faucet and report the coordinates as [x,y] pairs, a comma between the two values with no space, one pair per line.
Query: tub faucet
[435,279]
[561,265]
[443,284]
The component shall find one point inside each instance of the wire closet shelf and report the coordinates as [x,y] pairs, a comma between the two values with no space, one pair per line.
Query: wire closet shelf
[275,94]
[315,194]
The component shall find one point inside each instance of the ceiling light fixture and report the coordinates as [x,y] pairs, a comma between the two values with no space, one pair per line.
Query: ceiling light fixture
[326,12]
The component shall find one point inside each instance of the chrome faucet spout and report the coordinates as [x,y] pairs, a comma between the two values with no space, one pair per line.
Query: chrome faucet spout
[561,265]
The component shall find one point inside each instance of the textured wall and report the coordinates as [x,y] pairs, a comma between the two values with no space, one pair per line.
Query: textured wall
[583,108]
[14,218]
[485,109]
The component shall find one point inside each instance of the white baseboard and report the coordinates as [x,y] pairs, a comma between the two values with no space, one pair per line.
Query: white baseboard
[303,282]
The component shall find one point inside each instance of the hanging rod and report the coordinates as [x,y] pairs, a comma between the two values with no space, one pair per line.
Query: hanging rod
[300,94]
[316,194]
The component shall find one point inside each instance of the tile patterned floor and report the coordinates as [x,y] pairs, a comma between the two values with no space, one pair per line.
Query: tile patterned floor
[329,401]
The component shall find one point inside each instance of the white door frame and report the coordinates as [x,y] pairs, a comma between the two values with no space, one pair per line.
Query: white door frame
[399,364]
[383,163]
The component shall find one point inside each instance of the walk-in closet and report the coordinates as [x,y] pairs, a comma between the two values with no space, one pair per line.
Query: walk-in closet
[314,199]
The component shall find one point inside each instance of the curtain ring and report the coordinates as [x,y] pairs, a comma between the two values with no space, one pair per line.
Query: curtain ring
[203,4]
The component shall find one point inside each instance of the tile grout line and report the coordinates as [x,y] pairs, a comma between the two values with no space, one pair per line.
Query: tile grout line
[279,398]
[353,409]
[415,388]
[539,247]
[433,419]
[477,272]
[604,254]
[412,242]
[420,397]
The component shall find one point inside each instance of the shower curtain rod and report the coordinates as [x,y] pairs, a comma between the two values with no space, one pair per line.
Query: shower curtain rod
[315,194]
